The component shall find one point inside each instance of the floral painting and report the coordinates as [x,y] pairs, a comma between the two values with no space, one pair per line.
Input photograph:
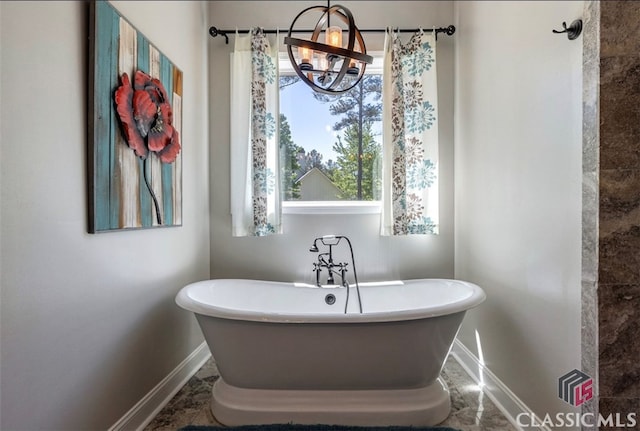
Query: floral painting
[135,122]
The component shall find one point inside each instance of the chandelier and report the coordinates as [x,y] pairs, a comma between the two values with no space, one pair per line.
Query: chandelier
[330,67]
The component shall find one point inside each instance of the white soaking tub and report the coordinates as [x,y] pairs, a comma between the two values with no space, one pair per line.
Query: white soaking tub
[287,353]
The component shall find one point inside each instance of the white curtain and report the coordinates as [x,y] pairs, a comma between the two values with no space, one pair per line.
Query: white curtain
[410,137]
[255,189]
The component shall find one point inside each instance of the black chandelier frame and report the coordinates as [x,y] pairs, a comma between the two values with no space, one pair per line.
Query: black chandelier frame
[330,80]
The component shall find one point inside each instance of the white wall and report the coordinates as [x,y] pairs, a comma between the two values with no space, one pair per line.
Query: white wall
[285,257]
[89,323]
[518,190]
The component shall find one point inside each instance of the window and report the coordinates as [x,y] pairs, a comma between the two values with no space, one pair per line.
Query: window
[331,146]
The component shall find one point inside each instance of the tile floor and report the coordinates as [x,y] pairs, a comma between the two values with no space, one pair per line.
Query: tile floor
[471,409]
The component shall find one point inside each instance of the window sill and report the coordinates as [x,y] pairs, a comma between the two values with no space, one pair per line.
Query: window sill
[331,207]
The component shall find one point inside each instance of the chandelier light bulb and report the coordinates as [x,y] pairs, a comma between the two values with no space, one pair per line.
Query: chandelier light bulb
[353,67]
[306,58]
[333,36]
[322,62]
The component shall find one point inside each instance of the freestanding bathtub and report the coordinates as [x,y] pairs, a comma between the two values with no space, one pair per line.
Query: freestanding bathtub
[287,353]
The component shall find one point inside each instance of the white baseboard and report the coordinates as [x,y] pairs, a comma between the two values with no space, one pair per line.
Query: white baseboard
[505,400]
[148,407]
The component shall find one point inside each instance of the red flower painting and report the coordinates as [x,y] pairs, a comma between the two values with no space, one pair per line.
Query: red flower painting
[147,122]
[146,117]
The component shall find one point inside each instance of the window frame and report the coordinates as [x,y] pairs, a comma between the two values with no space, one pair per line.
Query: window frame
[332,207]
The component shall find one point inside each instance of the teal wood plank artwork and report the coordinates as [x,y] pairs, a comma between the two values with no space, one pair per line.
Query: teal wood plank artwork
[135,128]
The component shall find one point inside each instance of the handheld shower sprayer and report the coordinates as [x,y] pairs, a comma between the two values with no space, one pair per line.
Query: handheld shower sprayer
[328,240]
[331,239]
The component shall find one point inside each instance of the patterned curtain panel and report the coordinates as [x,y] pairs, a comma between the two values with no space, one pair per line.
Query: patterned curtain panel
[410,137]
[255,189]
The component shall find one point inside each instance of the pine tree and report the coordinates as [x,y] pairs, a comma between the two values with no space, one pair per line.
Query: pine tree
[345,175]
[289,165]
[359,108]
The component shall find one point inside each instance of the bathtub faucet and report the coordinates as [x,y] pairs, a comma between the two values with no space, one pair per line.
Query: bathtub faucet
[332,269]
[325,260]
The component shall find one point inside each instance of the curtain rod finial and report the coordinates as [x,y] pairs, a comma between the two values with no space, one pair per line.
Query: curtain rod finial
[213,31]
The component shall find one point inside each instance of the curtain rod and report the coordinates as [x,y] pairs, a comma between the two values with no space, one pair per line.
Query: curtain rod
[449,31]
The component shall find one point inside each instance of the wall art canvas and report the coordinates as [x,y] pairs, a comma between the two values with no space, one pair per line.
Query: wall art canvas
[135,125]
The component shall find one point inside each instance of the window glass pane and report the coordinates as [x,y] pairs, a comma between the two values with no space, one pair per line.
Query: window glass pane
[322,137]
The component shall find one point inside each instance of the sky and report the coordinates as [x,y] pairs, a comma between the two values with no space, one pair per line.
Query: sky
[310,121]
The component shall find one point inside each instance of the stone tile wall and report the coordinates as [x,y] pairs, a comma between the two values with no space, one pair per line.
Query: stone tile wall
[618,282]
